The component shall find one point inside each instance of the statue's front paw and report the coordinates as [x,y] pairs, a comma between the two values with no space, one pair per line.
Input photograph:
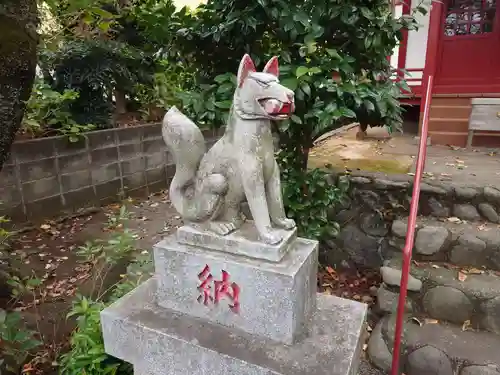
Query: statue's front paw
[271,238]
[222,228]
[285,223]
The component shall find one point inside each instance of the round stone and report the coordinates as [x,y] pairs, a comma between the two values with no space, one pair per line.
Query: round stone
[392,276]
[469,251]
[431,240]
[447,303]
[491,194]
[437,208]
[465,193]
[466,212]
[479,370]
[488,211]
[399,228]
[377,349]
[429,361]
[373,224]
[491,317]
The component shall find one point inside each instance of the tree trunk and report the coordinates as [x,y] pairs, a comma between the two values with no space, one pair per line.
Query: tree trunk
[18,57]
[120,102]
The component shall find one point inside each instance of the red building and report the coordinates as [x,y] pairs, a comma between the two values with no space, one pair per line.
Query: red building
[458,43]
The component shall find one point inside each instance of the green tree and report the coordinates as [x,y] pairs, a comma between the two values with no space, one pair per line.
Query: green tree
[18,46]
[333,54]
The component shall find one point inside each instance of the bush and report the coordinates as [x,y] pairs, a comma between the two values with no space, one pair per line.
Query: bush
[48,112]
[96,70]
[87,354]
[333,55]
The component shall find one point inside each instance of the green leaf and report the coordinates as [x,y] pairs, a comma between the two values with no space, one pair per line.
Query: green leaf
[367,13]
[368,42]
[286,56]
[301,70]
[302,18]
[226,104]
[333,53]
[296,119]
[306,88]
[290,83]
[346,112]
[3,315]
[315,70]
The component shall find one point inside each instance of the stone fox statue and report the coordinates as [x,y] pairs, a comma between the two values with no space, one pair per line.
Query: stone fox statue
[209,187]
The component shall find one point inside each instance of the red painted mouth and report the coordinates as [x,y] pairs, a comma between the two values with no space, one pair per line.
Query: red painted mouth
[286,108]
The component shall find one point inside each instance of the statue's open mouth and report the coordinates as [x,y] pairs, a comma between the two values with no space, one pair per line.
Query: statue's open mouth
[277,109]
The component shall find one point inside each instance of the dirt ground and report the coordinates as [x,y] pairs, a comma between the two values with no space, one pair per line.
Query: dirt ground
[47,251]
[381,152]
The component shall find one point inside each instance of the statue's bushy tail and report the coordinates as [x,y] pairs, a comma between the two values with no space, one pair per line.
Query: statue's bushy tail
[195,200]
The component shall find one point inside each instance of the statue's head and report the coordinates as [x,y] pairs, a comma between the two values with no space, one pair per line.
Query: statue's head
[259,94]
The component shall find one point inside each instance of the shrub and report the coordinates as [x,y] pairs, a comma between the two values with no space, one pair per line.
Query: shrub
[48,111]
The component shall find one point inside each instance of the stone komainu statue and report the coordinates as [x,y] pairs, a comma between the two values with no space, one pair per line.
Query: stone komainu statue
[209,187]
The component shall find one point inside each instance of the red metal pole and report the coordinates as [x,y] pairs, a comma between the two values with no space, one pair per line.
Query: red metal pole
[410,235]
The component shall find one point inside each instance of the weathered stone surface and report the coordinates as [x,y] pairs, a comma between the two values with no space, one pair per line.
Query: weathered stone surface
[448,304]
[389,184]
[399,228]
[392,276]
[469,251]
[437,208]
[430,361]
[488,211]
[159,341]
[480,370]
[466,212]
[492,195]
[465,193]
[491,312]
[362,249]
[244,241]
[276,299]
[387,300]
[373,224]
[360,180]
[469,347]
[431,189]
[430,240]
[368,198]
[377,349]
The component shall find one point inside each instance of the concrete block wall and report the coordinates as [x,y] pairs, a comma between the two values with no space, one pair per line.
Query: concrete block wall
[49,176]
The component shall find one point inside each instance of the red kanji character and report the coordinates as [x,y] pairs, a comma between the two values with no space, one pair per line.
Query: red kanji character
[223,288]
[206,278]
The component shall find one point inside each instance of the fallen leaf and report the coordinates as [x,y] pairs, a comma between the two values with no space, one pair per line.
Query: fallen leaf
[475,271]
[435,266]
[461,276]
[454,219]
[45,226]
[431,321]
[416,321]
[330,270]
[466,325]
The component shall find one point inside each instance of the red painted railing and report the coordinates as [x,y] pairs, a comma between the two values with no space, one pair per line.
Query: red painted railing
[410,234]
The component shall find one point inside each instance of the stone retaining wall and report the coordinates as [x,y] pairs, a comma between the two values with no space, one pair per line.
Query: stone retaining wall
[48,176]
[376,200]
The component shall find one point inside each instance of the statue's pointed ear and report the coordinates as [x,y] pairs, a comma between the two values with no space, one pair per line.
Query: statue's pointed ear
[246,66]
[272,67]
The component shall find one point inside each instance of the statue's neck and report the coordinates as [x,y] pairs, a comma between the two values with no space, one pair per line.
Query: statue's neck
[253,123]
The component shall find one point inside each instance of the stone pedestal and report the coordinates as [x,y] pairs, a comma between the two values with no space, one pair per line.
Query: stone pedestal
[211,309]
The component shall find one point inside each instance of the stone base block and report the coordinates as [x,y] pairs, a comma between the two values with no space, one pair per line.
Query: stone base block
[244,241]
[275,300]
[159,341]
